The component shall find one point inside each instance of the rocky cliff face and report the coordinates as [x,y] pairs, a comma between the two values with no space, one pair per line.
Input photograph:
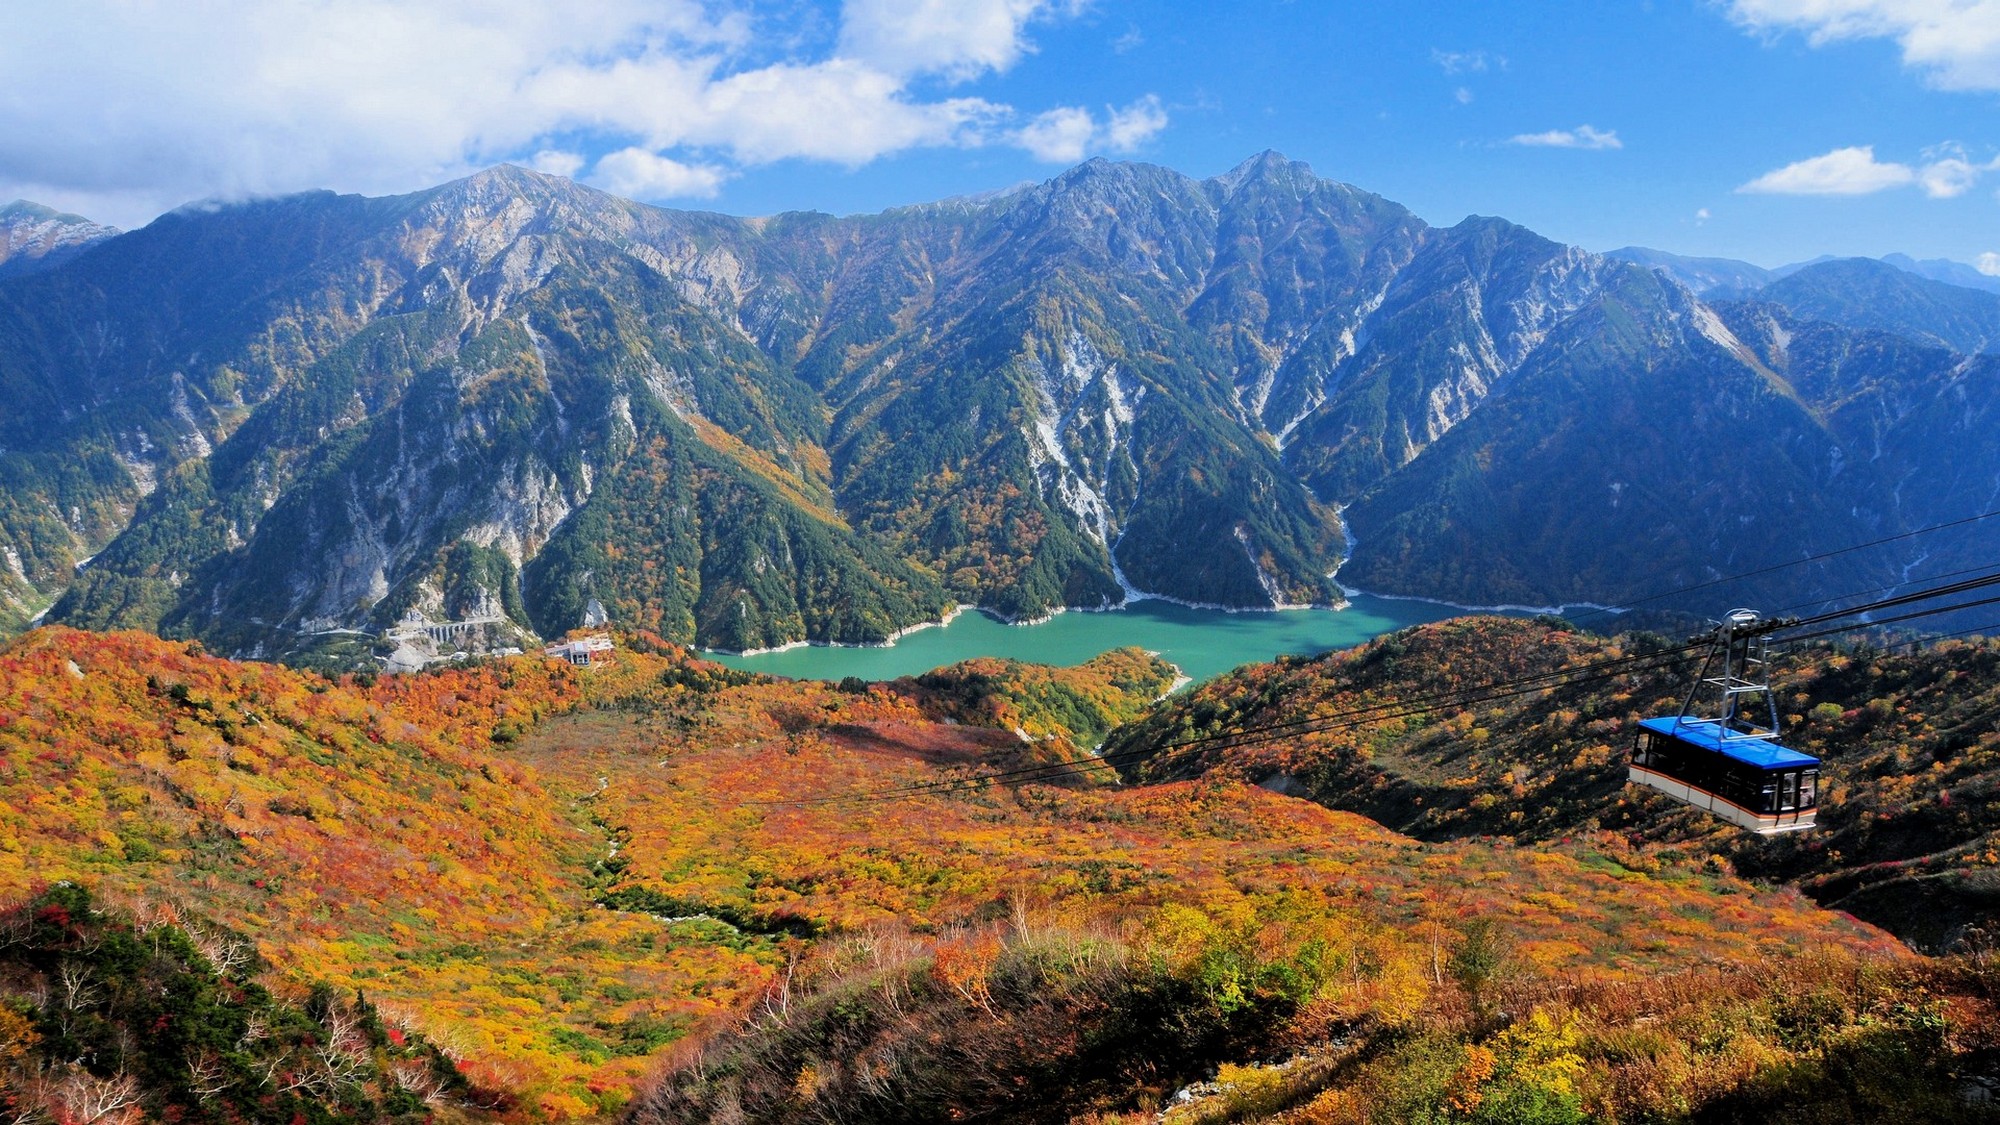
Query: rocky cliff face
[265,421]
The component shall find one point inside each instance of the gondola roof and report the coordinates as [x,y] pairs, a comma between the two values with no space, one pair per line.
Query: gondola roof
[1707,735]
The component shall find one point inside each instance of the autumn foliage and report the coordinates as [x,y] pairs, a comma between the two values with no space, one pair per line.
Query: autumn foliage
[1908,834]
[663,887]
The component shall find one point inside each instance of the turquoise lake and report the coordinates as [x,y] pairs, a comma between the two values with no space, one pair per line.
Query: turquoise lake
[1203,642]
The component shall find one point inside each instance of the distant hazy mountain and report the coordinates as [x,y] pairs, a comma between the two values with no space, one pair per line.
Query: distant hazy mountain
[515,400]
[1698,274]
[1735,278]
[1945,270]
[34,237]
[1865,293]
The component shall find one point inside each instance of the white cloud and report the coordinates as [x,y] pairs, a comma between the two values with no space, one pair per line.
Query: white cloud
[1060,136]
[1583,136]
[1133,126]
[115,108]
[1463,94]
[1701,216]
[1949,171]
[956,38]
[557,163]
[1988,264]
[1844,171]
[838,110]
[1945,173]
[1068,134]
[1956,43]
[1951,176]
[640,174]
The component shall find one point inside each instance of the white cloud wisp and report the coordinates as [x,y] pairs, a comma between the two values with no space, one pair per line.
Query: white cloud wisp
[1844,171]
[1583,137]
[1066,135]
[1955,43]
[1947,173]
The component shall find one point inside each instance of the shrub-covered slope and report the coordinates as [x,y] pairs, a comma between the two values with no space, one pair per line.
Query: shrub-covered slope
[1910,740]
[1054,950]
[114,1019]
[796,901]
[1081,704]
[367,835]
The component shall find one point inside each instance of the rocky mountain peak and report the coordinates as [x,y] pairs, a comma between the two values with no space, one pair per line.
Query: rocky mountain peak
[508,189]
[1267,167]
[33,236]
[756,432]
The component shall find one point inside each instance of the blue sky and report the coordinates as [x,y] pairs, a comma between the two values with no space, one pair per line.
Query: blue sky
[1770,130]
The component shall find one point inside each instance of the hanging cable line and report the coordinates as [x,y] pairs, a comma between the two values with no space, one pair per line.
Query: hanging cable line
[1938,611]
[1881,589]
[1612,666]
[1773,568]
[1960,587]
[1386,712]
[1254,736]
[1991,629]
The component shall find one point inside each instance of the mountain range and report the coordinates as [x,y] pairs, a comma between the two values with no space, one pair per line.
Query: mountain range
[521,404]
[1711,275]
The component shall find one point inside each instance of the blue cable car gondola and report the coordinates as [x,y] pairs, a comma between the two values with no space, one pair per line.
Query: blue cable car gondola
[1727,764]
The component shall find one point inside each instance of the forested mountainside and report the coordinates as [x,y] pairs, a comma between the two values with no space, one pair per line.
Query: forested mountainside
[524,404]
[661,890]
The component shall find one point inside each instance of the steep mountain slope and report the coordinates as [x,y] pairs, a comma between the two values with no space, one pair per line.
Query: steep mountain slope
[1052,406]
[1915,426]
[1629,455]
[34,237]
[466,365]
[1467,312]
[520,406]
[471,363]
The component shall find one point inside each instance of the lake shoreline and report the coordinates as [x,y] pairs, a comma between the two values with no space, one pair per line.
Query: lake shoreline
[1202,642]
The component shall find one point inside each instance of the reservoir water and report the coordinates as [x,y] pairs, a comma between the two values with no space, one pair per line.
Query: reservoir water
[1203,642]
